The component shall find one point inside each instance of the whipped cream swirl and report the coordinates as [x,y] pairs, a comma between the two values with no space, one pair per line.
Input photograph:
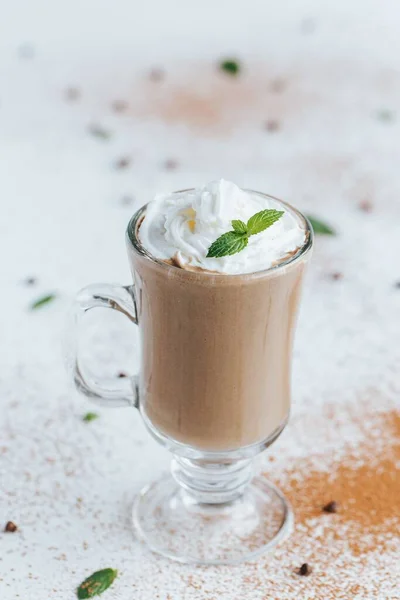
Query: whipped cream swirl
[182,226]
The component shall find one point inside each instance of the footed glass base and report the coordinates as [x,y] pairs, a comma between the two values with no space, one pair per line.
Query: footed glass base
[174,522]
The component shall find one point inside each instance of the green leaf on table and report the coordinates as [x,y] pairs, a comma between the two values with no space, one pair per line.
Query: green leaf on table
[90,416]
[320,227]
[262,220]
[42,301]
[228,243]
[230,66]
[385,115]
[96,584]
[99,132]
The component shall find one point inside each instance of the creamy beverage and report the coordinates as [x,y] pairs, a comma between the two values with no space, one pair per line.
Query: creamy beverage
[217,331]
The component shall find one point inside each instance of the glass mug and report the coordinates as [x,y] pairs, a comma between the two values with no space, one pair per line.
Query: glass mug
[213,388]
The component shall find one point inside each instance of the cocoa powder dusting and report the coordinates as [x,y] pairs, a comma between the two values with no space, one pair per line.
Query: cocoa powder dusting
[210,102]
[367,487]
[344,545]
[346,513]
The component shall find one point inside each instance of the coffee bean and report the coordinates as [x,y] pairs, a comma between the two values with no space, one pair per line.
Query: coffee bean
[331,507]
[304,570]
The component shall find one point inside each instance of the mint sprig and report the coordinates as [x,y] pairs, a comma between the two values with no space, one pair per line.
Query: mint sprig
[320,227]
[90,416]
[236,240]
[96,584]
[42,301]
[230,66]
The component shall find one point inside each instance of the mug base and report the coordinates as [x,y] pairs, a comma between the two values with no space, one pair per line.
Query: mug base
[176,525]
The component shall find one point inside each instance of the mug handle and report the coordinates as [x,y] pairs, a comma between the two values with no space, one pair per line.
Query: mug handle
[104,391]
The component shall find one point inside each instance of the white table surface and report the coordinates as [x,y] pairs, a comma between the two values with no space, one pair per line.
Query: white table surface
[69,485]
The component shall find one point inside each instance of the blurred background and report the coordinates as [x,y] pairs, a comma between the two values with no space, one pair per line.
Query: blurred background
[103,104]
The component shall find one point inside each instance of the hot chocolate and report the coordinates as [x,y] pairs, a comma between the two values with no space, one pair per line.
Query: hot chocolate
[216,333]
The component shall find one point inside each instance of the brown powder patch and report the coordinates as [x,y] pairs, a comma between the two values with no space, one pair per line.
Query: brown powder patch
[209,101]
[366,485]
[350,553]
[221,103]
[206,100]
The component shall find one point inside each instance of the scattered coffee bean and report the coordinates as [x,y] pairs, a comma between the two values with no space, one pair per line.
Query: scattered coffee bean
[126,200]
[366,206]
[272,125]
[10,527]
[331,507]
[123,162]
[30,281]
[121,374]
[277,86]
[72,94]
[156,74]
[336,275]
[304,570]
[119,106]
[170,164]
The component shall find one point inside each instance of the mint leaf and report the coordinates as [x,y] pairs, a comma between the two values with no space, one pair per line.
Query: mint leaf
[239,226]
[96,584]
[385,115]
[262,220]
[232,67]
[90,416]
[228,243]
[42,301]
[320,227]
[99,132]
[234,241]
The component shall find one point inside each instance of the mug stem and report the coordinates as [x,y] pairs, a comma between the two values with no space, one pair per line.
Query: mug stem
[206,482]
